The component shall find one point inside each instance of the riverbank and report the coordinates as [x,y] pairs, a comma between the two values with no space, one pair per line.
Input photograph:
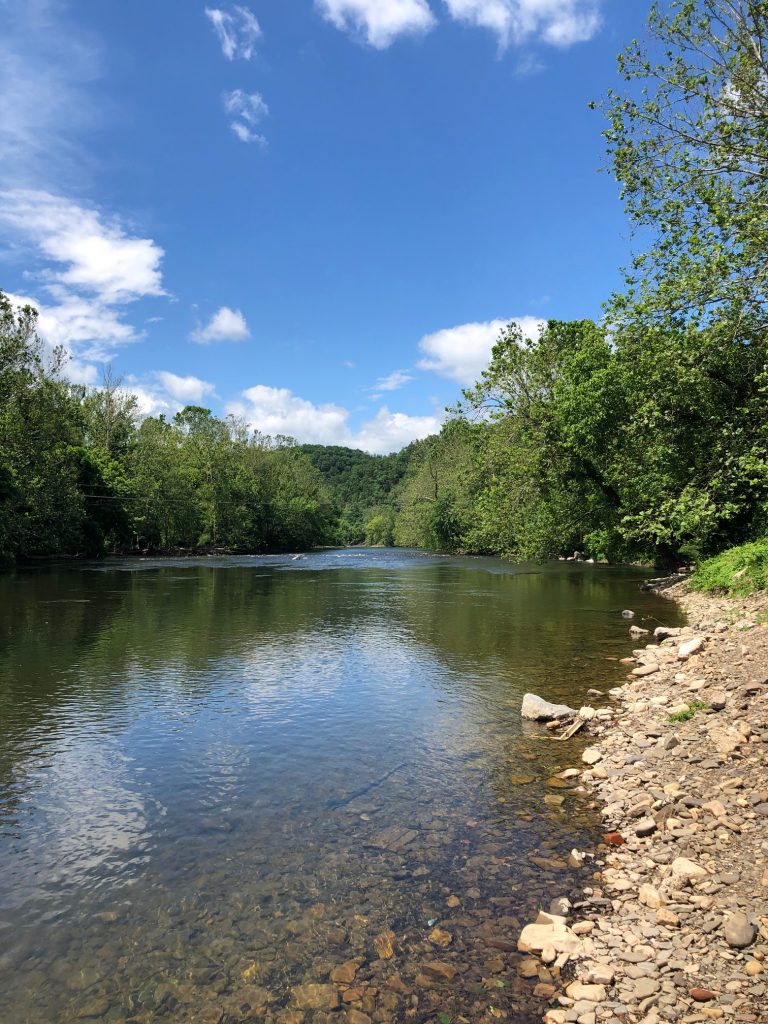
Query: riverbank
[676,926]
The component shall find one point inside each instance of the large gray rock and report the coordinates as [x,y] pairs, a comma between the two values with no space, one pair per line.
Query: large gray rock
[539,710]
[739,931]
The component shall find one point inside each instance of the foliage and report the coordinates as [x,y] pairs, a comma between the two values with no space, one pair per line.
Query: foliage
[362,486]
[736,571]
[690,711]
[688,143]
[79,474]
[436,499]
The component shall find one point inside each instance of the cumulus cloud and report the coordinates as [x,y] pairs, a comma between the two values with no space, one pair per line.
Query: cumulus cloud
[184,389]
[225,325]
[391,431]
[86,253]
[248,110]
[88,269]
[279,411]
[237,30]
[378,22]
[557,22]
[461,353]
[165,393]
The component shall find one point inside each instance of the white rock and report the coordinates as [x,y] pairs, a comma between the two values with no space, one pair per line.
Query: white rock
[536,709]
[685,650]
[684,870]
[650,897]
[555,1017]
[594,993]
[591,755]
[587,713]
[548,930]
[598,974]
[725,739]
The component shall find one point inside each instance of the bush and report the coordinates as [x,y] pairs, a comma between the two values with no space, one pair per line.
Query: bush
[737,571]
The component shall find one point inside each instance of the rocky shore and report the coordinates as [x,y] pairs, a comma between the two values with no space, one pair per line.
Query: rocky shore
[675,924]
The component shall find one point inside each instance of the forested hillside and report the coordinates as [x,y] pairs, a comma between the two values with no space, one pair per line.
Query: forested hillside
[363,486]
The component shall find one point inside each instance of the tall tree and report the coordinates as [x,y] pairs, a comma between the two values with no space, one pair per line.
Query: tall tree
[689,143]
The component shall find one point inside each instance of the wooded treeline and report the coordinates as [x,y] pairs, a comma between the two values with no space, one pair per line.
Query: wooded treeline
[81,473]
[642,437]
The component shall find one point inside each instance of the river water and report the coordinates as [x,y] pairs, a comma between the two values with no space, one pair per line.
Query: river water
[222,778]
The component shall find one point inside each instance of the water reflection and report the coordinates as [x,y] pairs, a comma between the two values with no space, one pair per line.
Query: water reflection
[221,778]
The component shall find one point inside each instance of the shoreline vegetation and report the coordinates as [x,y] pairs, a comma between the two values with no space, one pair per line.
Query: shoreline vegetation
[674,923]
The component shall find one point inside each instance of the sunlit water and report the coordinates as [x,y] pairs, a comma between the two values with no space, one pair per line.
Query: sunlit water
[221,778]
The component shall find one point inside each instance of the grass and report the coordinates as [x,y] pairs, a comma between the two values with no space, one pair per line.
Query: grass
[687,715]
[737,572]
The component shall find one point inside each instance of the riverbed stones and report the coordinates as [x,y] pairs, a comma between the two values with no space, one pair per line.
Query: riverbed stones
[440,937]
[536,709]
[676,913]
[345,973]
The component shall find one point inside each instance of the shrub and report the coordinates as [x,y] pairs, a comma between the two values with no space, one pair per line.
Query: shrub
[736,571]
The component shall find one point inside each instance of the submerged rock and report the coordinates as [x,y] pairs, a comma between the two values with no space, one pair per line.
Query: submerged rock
[536,709]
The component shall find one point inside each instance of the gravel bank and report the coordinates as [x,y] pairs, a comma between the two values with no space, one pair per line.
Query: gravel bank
[676,926]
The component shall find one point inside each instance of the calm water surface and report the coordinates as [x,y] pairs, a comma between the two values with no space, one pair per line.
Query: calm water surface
[222,778]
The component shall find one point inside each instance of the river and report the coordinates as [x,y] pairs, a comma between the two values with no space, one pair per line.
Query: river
[222,778]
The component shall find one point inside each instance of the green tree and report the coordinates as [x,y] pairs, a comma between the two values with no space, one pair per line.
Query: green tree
[688,142]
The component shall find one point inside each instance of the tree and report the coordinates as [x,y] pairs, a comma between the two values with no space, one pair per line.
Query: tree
[689,144]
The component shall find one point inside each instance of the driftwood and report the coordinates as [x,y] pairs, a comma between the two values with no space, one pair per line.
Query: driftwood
[569,726]
[571,730]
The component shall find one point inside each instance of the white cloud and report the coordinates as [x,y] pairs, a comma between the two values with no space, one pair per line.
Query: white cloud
[391,431]
[151,401]
[238,31]
[88,268]
[392,381]
[557,22]
[378,22]
[248,111]
[279,411]
[461,353]
[87,253]
[164,393]
[184,389]
[225,325]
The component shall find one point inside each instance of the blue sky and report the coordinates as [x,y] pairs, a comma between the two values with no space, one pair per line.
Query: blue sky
[316,214]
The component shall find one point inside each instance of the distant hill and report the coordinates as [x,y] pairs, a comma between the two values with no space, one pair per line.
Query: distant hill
[356,478]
